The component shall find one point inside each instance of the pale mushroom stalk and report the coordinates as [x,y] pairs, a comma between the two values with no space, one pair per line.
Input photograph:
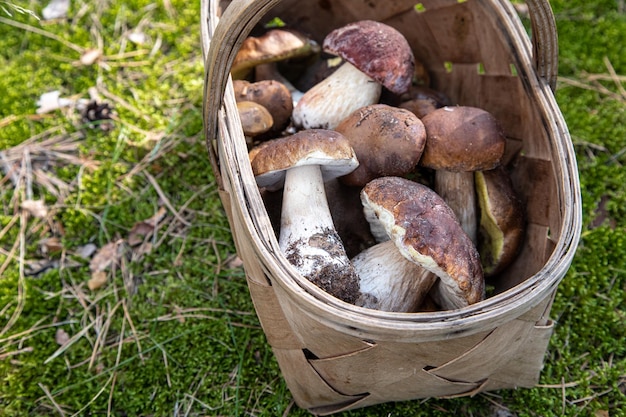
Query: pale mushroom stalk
[304,199]
[336,97]
[457,189]
[389,281]
[461,140]
[307,234]
[375,55]
[300,164]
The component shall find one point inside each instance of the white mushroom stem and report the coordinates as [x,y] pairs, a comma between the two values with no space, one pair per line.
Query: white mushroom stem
[308,237]
[389,281]
[335,98]
[305,209]
[457,190]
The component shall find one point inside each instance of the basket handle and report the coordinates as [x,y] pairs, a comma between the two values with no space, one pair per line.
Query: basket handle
[241,16]
[545,41]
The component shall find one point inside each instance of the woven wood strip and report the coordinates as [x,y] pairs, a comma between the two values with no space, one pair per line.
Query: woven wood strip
[337,357]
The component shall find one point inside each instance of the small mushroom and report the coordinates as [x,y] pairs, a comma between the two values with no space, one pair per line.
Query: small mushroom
[269,71]
[255,119]
[274,45]
[272,95]
[459,141]
[388,141]
[375,55]
[422,100]
[425,231]
[502,224]
[301,163]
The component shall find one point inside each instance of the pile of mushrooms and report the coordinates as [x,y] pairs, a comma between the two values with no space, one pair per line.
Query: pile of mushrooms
[381,191]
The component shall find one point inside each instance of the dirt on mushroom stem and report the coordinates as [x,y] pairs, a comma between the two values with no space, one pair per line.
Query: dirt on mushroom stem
[332,277]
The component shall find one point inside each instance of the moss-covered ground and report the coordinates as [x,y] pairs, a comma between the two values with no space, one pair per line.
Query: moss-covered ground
[159,322]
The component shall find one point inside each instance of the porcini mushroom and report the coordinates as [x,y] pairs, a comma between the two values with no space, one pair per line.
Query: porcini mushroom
[255,119]
[375,55]
[274,45]
[301,163]
[459,141]
[422,100]
[501,226]
[425,231]
[272,95]
[388,141]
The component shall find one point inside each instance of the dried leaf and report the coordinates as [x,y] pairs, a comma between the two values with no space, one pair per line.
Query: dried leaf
[97,280]
[34,268]
[108,255]
[61,337]
[142,250]
[145,228]
[51,245]
[234,262]
[86,251]
[36,208]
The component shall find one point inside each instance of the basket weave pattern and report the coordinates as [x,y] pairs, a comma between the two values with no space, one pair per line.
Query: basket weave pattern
[335,356]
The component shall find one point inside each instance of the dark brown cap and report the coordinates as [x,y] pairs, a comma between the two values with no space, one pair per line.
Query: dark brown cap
[274,45]
[326,148]
[388,141]
[427,232]
[462,138]
[272,95]
[377,49]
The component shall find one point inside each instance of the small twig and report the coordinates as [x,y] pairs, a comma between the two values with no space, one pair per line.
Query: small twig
[166,201]
[132,328]
[615,77]
[69,343]
[16,352]
[21,283]
[42,32]
[8,169]
[102,334]
[599,89]
[51,398]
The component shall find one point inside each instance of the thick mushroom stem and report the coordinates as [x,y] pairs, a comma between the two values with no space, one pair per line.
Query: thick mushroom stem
[457,190]
[308,237]
[335,98]
[389,281]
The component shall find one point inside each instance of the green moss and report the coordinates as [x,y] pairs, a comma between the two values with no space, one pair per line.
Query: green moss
[195,346]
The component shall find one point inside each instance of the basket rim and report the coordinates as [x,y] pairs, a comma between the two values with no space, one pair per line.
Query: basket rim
[488,313]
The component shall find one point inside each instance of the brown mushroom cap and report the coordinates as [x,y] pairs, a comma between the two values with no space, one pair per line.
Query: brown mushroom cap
[422,100]
[274,45]
[426,231]
[272,95]
[502,224]
[462,138]
[388,141]
[327,148]
[377,49]
[255,118]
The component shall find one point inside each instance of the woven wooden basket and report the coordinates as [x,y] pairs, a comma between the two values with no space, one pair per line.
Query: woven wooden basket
[335,356]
